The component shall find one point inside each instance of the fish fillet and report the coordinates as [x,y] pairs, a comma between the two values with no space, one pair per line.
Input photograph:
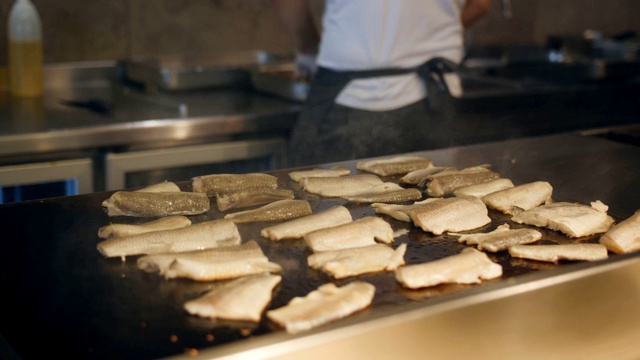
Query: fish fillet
[335,186]
[217,184]
[251,197]
[299,227]
[356,261]
[165,186]
[205,235]
[572,219]
[164,223]
[450,214]
[395,165]
[391,196]
[483,189]
[242,299]
[468,267]
[361,232]
[155,204]
[297,176]
[624,237]
[277,210]
[326,304]
[501,238]
[398,211]
[521,197]
[555,253]
[238,261]
[416,177]
[446,182]
[161,262]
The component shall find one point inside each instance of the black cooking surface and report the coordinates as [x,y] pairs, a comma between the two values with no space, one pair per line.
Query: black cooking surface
[62,297]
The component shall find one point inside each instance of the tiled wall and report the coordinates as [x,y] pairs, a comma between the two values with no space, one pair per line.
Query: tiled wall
[77,30]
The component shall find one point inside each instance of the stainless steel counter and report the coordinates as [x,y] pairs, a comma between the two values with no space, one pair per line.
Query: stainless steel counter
[61,297]
[85,107]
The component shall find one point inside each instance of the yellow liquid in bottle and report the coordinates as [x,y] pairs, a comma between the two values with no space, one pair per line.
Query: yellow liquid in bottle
[25,68]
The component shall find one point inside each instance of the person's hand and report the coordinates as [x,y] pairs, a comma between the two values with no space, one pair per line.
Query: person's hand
[305,65]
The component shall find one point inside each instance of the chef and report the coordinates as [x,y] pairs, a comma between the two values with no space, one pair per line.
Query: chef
[367,68]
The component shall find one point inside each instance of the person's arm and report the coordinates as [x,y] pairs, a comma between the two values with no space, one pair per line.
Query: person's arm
[298,24]
[474,10]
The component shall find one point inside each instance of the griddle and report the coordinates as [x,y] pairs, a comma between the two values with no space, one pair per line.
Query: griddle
[61,297]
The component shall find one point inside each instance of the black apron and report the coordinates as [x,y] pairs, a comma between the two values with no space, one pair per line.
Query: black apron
[311,140]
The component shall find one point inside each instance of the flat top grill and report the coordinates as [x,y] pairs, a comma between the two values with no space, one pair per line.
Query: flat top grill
[62,294]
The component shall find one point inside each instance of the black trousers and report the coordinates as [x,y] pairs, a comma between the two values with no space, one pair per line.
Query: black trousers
[327,132]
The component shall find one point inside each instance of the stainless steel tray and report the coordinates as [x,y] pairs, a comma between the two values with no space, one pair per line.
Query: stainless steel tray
[174,73]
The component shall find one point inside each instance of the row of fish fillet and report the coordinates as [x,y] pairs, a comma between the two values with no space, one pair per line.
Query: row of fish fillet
[174,248]
[458,201]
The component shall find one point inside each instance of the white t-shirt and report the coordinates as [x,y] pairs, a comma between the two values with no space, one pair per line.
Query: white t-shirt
[375,34]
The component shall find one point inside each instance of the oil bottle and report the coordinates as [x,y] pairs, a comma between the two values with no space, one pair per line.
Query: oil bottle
[25,50]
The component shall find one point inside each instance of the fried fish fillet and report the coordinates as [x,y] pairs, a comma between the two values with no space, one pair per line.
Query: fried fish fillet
[623,237]
[299,227]
[277,210]
[165,186]
[205,235]
[242,299]
[399,211]
[155,204]
[161,262]
[325,304]
[217,184]
[336,186]
[450,214]
[394,166]
[416,177]
[207,271]
[521,197]
[555,253]
[468,267]
[297,176]
[251,197]
[356,261]
[361,232]
[480,190]
[446,182]
[164,223]
[501,238]
[572,219]
[215,264]
[391,196]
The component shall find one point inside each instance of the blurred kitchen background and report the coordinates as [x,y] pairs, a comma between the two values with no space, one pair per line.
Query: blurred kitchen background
[77,30]
[126,103]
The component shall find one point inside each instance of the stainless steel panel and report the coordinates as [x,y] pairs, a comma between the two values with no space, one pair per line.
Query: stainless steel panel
[44,172]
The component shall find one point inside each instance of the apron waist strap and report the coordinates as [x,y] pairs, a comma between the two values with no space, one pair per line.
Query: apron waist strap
[343,77]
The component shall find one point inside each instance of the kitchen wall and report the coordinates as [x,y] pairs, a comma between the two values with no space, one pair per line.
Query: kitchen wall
[78,30]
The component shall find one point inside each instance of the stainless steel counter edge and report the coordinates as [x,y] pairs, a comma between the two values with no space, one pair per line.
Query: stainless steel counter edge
[535,316]
[147,131]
